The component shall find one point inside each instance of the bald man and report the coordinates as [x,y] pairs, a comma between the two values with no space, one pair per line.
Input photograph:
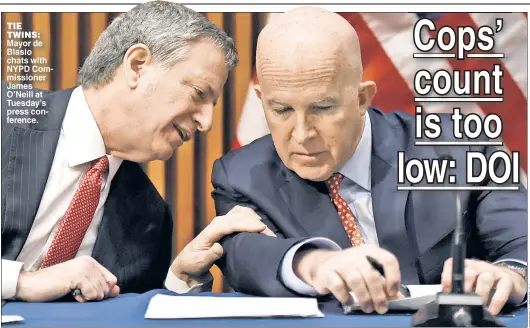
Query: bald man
[324,181]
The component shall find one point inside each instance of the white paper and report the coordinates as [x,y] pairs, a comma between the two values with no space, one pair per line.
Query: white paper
[11,318]
[186,307]
[419,296]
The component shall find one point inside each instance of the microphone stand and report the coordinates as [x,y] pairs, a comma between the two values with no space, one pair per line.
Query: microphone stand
[457,308]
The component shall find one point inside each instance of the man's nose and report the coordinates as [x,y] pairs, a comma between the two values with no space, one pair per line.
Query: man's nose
[303,131]
[204,118]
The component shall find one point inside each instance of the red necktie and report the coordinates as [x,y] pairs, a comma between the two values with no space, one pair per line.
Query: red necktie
[345,213]
[78,216]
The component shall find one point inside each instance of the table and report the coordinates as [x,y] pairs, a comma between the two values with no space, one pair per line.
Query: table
[128,311]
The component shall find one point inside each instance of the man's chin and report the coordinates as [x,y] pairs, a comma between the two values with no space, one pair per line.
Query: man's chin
[159,154]
[317,173]
[164,156]
[165,151]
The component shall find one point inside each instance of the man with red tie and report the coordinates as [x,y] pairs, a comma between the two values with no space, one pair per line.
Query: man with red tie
[79,213]
[325,182]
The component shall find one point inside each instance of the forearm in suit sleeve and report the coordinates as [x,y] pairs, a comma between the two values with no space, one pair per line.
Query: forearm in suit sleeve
[160,260]
[252,261]
[502,220]
[163,260]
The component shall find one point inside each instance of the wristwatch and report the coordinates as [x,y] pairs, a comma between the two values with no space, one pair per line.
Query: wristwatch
[516,267]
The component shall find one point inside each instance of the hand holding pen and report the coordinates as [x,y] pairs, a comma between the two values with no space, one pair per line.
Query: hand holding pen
[342,272]
[91,279]
[377,266]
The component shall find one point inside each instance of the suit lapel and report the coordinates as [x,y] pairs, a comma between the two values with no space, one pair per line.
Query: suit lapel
[388,203]
[32,148]
[311,206]
[429,218]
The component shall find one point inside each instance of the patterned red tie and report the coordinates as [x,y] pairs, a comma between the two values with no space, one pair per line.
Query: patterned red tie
[345,213]
[78,216]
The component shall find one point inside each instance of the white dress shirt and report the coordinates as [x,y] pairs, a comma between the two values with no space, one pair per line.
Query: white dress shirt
[176,285]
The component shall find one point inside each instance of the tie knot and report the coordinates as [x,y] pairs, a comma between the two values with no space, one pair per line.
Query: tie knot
[102,164]
[334,181]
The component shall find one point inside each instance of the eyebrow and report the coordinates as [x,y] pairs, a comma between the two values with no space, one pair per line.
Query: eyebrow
[276,102]
[327,100]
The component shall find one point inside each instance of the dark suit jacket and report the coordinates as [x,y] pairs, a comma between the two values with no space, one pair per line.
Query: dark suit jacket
[134,236]
[416,226]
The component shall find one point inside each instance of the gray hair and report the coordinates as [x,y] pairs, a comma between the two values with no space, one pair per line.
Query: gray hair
[166,28]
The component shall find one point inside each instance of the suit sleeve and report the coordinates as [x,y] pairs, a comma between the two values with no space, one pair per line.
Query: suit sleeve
[502,220]
[252,261]
[163,260]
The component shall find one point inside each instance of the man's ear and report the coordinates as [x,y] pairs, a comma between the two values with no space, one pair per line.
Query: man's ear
[136,59]
[367,92]
[257,89]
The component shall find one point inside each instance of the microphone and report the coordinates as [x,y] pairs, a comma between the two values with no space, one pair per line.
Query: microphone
[458,250]
[456,308]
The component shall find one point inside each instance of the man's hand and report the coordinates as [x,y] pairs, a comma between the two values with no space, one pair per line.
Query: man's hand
[51,283]
[195,260]
[340,272]
[481,277]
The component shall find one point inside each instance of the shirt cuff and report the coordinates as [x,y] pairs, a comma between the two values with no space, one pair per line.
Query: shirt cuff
[10,272]
[508,261]
[178,286]
[287,274]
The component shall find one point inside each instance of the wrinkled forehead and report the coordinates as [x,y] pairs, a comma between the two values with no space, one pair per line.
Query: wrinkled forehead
[277,75]
[210,71]
[306,65]
[302,85]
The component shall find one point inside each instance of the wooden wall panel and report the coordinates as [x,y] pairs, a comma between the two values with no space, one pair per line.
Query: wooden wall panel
[214,146]
[183,226]
[98,23]
[69,50]
[156,171]
[41,24]
[243,72]
[214,150]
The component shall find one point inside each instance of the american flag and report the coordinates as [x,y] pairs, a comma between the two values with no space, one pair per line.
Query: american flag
[387,47]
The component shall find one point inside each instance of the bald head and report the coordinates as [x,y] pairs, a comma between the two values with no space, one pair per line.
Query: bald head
[309,39]
[309,82]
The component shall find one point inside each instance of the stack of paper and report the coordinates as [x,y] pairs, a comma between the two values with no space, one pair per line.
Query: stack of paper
[186,307]
[419,296]
[11,318]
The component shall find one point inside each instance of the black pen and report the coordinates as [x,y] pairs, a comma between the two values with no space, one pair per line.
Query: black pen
[377,266]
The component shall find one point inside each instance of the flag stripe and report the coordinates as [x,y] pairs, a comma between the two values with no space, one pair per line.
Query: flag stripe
[393,32]
[394,92]
[252,124]
[510,41]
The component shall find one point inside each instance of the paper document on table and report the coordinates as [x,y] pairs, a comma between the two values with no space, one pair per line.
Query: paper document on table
[186,307]
[11,318]
[419,296]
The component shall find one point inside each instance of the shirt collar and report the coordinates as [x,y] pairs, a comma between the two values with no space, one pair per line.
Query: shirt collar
[83,139]
[358,167]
